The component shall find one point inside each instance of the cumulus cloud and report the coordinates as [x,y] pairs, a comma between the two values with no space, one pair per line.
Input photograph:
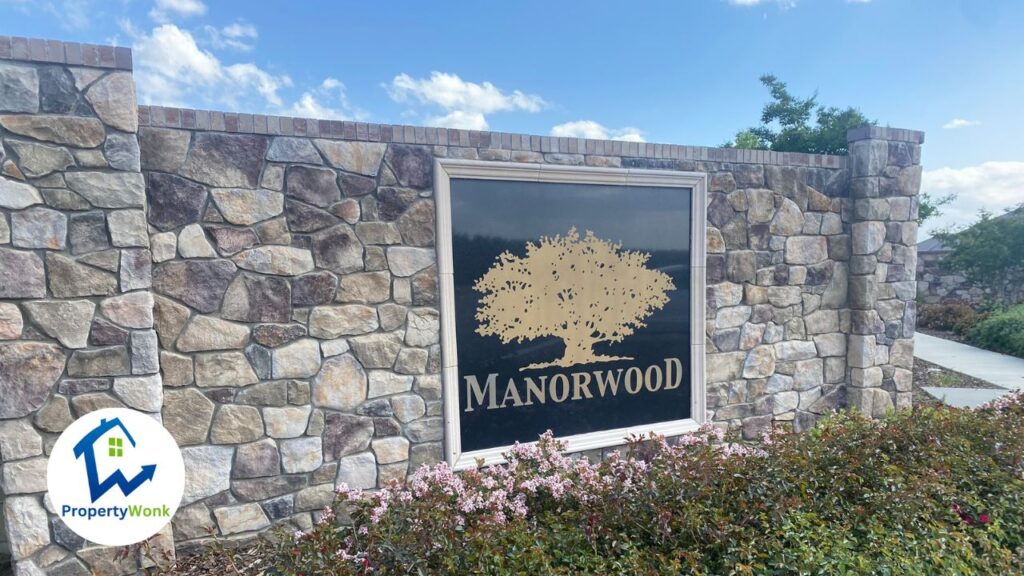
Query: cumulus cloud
[172,69]
[327,101]
[992,186]
[238,36]
[596,131]
[465,104]
[959,123]
[164,10]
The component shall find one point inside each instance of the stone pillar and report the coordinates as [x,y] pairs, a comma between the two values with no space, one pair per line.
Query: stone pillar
[885,177]
[76,318]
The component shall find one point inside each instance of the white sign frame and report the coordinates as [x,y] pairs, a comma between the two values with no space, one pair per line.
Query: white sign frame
[444,170]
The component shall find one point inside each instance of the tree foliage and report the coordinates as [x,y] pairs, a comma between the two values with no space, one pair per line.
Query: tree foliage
[582,290]
[990,253]
[786,124]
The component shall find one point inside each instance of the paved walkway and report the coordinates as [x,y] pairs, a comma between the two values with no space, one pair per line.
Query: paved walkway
[999,369]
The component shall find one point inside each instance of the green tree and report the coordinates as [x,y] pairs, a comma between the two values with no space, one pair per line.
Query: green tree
[989,253]
[786,124]
[930,206]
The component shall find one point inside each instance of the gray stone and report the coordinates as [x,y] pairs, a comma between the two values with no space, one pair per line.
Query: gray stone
[358,157]
[233,240]
[385,383]
[274,232]
[274,335]
[173,201]
[253,298]
[338,249]
[264,394]
[111,361]
[300,359]
[377,350]
[378,233]
[134,310]
[300,150]
[187,415]
[411,361]
[128,228]
[313,289]
[194,522]
[868,237]
[280,260]
[335,321]
[392,202]
[209,333]
[286,421]
[345,434]
[806,249]
[261,359]
[136,270]
[11,323]
[305,218]
[788,219]
[55,415]
[425,430]
[405,261]
[733,316]
[725,366]
[245,207]
[340,385]
[348,210]
[38,160]
[192,243]
[301,454]
[256,460]
[334,347]
[417,224]
[740,265]
[236,424]
[226,160]
[75,131]
[122,152]
[163,149]
[831,345]
[113,99]
[28,528]
[795,350]
[759,363]
[412,165]
[19,88]
[19,440]
[760,205]
[16,195]
[808,373]
[422,327]
[354,185]
[367,287]
[223,369]
[408,407]
[317,186]
[200,284]
[67,321]
[104,333]
[176,369]
[5,231]
[109,189]
[207,471]
[88,232]
[358,471]
[87,403]
[141,392]
[873,402]
[145,353]
[58,93]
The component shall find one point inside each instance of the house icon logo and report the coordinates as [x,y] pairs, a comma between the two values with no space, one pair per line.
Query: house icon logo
[115,476]
[86,450]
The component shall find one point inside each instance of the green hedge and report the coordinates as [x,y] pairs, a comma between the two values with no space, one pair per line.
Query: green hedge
[1002,332]
[933,491]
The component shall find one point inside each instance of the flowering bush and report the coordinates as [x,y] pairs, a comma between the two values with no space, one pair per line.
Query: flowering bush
[933,491]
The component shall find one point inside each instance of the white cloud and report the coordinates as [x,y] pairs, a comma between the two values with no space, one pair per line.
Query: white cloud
[991,186]
[595,131]
[164,10]
[466,104]
[328,101]
[171,68]
[238,36]
[959,123]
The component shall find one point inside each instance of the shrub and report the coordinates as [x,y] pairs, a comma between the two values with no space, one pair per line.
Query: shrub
[933,491]
[1002,332]
[957,317]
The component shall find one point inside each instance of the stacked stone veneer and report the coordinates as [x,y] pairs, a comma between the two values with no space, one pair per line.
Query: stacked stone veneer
[279,274]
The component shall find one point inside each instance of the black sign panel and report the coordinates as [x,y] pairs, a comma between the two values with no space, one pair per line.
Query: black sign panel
[572,307]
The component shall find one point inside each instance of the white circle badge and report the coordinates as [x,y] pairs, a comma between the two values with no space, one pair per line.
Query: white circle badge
[115,476]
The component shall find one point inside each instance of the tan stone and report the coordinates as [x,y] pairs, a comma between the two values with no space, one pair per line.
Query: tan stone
[223,369]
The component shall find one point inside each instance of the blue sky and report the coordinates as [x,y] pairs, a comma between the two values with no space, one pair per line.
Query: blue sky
[678,72]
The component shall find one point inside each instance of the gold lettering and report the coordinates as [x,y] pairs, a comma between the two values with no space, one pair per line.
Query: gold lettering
[634,379]
[533,390]
[554,387]
[473,390]
[581,382]
[608,381]
[652,384]
[671,384]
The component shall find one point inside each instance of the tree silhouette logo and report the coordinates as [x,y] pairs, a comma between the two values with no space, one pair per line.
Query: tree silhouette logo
[583,290]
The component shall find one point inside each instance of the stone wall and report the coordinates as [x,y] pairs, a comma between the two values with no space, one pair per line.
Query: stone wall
[286,290]
[936,284]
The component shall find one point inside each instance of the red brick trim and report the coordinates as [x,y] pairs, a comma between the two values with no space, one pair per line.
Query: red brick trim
[71,53]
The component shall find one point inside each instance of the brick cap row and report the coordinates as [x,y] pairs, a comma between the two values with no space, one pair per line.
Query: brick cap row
[885,133]
[191,119]
[70,53]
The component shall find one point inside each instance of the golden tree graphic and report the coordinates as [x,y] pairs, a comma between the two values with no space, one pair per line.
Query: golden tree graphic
[582,290]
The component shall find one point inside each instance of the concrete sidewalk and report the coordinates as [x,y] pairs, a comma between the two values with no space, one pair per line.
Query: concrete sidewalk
[999,369]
